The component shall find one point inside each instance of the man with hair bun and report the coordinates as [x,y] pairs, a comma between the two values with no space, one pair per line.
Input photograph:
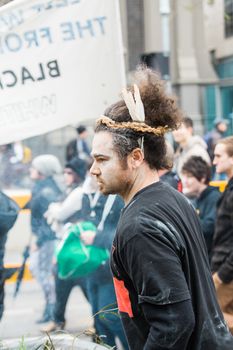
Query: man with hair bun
[162,279]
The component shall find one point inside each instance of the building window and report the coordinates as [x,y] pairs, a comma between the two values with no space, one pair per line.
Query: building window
[228,18]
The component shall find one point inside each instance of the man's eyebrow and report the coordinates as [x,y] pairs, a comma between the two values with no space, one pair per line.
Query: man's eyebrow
[97,155]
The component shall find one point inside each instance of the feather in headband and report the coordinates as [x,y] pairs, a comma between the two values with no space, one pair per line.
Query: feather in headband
[134,104]
[136,110]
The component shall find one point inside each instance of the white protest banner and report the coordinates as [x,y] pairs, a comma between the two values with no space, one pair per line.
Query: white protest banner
[61,62]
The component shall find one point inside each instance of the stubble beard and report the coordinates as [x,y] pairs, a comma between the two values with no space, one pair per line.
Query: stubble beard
[106,191]
[109,189]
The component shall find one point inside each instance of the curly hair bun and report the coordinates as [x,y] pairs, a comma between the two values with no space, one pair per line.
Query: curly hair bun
[160,108]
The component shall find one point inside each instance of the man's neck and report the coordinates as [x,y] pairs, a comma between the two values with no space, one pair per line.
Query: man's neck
[229,173]
[201,189]
[143,178]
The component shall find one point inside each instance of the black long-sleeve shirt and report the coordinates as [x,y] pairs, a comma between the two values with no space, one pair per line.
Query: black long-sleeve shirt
[162,278]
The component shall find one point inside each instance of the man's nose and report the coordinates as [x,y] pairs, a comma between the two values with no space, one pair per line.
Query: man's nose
[94,170]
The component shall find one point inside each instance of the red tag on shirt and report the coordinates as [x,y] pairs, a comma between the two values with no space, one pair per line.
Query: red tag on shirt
[123,299]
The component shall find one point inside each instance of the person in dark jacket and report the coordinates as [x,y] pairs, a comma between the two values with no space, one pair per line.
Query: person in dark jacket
[222,259]
[46,190]
[60,215]
[100,288]
[162,277]
[78,147]
[8,214]
[195,179]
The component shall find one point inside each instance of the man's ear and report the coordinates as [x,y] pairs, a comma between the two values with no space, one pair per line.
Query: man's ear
[136,158]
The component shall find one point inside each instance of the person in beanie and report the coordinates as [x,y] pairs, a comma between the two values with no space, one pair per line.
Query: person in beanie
[77,168]
[44,171]
[60,215]
[162,278]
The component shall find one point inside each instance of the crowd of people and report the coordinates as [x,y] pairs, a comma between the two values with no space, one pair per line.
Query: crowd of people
[170,253]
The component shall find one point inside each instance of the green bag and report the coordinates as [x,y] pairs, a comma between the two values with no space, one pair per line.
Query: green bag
[74,258]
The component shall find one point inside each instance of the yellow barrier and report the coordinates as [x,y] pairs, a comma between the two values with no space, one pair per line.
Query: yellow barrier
[27,276]
[21,197]
[220,184]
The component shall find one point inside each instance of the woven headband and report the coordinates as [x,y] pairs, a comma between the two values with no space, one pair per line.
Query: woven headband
[137,113]
[136,126]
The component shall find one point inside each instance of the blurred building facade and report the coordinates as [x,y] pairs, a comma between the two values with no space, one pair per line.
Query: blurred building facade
[191,43]
[219,34]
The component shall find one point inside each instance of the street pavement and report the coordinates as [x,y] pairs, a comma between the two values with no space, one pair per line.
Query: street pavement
[21,313]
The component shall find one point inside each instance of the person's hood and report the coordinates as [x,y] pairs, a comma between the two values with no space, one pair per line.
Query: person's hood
[196,140]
